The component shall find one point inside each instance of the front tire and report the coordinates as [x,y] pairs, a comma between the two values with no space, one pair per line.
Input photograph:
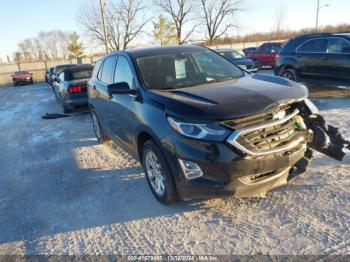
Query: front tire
[158,174]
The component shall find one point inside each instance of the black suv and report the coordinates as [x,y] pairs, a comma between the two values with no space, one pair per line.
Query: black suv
[316,56]
[203,127]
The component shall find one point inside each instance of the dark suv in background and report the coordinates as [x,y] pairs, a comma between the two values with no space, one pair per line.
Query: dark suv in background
[203,127]
[318,57]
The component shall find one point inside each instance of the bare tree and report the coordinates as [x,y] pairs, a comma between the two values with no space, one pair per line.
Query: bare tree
[90,18]
[52,44]
[29,46]
[129,10]
[122,22]
[63,39]
[218,16]
[279,19]
[180,12]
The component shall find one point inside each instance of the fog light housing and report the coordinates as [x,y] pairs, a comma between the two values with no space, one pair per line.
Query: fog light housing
[190,169]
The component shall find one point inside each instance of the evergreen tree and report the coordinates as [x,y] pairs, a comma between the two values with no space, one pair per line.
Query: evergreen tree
[75,47]
[164,31]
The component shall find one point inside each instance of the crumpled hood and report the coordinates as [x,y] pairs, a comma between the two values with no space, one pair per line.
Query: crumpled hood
[230,99]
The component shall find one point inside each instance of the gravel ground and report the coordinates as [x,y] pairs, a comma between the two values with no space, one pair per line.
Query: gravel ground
[62,193]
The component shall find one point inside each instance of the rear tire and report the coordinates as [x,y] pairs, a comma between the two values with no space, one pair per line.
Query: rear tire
[289,74]
[101,138]
[158,174]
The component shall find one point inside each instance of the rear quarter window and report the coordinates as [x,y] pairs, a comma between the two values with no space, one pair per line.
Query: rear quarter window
[96,68]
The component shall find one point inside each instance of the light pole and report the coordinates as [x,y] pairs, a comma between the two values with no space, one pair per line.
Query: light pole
[318,11]
[104,25]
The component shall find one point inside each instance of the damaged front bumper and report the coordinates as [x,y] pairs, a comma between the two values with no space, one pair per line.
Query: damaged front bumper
[326,138]
[256,157]
[246,177]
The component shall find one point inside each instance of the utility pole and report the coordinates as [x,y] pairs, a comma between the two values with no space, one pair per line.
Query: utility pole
[104,25]
[318,11]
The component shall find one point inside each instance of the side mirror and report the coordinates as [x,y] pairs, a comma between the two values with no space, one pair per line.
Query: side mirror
[55,79]
[121,88]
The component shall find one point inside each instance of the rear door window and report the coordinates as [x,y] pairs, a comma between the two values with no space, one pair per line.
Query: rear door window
[338,45]
[314,46]
[108,70]
[266,48]
[276,48]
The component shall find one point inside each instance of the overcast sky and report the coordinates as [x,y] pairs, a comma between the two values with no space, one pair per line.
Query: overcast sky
[21,19]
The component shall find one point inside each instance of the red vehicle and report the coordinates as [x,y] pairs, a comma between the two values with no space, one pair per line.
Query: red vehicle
[22,77]
[266,54]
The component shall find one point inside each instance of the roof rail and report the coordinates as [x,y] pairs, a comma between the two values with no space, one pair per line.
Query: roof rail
[315,34]
[342,33]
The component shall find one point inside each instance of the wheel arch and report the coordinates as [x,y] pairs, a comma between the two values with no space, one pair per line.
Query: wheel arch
[289,63]
[144,134]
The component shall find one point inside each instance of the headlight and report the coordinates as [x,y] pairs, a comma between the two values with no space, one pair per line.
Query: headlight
[243,67]
[314,110]
[199,131]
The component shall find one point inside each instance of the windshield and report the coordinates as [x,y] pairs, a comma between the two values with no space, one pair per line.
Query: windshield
[81,74]
[231,54]
[21,73]
[180,70]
